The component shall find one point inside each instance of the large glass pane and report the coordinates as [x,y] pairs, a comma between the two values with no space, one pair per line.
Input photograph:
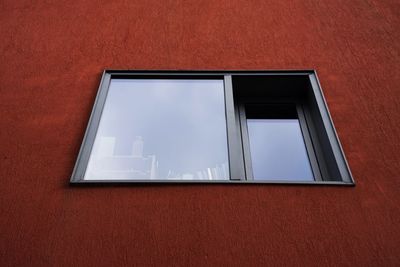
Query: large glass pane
[161,129]
[277,150]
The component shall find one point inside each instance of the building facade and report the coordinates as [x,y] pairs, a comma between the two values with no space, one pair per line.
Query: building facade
[52,55]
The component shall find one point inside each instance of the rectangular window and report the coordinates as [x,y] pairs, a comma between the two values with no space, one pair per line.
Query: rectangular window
[277,150]
[161,129]
[211,126]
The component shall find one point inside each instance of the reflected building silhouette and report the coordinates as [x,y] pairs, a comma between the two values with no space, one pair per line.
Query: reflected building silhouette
[137,148]
[219,172]
[107,165]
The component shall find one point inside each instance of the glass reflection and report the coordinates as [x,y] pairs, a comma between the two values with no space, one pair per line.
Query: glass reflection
[161,129]
[278,150]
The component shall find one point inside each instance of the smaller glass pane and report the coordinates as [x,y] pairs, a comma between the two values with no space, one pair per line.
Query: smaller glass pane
[278,151]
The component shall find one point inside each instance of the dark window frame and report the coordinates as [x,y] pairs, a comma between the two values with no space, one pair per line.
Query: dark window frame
[238,152]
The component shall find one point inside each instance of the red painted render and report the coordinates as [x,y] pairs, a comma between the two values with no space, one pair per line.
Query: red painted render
[52,54]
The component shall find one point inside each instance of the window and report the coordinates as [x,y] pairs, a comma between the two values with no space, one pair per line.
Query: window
[161,129]
[211,126]
[274,142]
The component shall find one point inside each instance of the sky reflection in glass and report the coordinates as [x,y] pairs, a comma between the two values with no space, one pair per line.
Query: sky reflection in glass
[161,129]
[277,150]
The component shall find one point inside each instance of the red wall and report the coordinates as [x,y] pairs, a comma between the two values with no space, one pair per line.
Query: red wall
[52,54]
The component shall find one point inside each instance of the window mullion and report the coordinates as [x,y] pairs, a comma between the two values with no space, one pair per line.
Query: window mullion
[246,142]
[308,143]
[236,161]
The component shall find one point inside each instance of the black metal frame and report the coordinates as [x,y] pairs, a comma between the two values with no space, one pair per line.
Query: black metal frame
[325,152]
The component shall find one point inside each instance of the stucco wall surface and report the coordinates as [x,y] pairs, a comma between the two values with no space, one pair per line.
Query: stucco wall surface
[52,54]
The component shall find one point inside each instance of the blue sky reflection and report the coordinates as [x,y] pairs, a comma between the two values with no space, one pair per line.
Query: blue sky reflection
[277,150]
[159,129]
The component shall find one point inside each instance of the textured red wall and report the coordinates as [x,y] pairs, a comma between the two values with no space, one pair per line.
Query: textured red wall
[52,54]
